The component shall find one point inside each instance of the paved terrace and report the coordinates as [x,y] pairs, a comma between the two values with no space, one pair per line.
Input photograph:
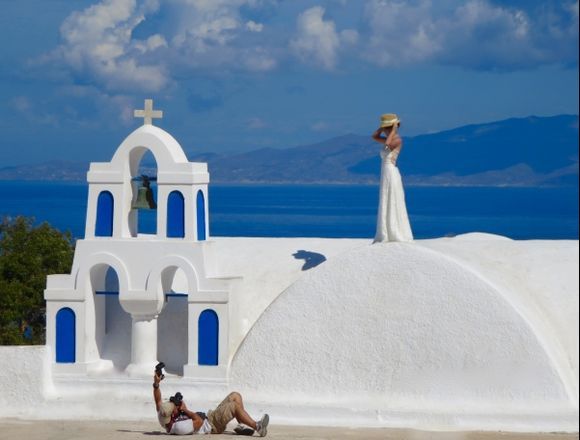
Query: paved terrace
[122,430]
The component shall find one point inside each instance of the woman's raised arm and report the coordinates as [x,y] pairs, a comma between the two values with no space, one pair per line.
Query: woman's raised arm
[377,136]
[393,139]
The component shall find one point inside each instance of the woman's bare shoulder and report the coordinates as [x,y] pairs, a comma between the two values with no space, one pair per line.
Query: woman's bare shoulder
[396,142]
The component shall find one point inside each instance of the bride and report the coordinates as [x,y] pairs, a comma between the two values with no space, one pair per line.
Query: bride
[392,221]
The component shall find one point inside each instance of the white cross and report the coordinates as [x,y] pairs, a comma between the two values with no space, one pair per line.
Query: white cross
[148,113]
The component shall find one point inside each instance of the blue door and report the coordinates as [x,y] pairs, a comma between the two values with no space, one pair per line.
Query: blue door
[105,206]
[200,216]
[65,336]
[208,333]
[175,215]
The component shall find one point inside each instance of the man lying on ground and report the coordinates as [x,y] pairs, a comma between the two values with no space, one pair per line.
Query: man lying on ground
[176,418]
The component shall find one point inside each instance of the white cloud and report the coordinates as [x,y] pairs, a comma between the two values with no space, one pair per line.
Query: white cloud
[113,46]
[473,33]
[317,39]
[258,59]
[400,33]
[252,26]
[105,106]
[150,44]
[97,42]
[217,31]
[204,24]
[213,33]
[349,36]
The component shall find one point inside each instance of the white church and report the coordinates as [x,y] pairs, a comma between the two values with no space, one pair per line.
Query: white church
[474,332]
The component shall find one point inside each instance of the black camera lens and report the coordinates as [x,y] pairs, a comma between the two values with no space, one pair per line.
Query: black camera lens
[177,399]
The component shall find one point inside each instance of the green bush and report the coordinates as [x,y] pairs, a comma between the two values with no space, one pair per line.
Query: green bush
[28,254]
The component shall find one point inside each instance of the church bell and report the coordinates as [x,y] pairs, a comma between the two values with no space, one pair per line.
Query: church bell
[145,199]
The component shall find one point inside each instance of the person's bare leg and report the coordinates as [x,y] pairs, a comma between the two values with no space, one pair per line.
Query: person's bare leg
[240,413]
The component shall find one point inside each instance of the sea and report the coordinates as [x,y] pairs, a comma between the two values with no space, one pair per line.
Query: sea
[333,211]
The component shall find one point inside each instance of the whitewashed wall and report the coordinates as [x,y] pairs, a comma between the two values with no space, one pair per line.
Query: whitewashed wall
[473,332]
[404,334]
[25,379]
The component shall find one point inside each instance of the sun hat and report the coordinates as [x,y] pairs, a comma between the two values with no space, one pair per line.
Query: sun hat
[389,119]
[165,412]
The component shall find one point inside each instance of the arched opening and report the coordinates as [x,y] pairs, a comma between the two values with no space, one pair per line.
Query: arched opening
[175,215]
[172,325]
[112,324]
[143,215]
[65,336]
[105,209]
[208,338]
[201,232]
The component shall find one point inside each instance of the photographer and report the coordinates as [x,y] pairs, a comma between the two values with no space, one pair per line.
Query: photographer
[177,419]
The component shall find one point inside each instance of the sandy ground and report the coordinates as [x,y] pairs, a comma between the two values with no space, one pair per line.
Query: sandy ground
[120,430]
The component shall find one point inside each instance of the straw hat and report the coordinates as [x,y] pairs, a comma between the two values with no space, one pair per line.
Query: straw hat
[165,412]
[389,119]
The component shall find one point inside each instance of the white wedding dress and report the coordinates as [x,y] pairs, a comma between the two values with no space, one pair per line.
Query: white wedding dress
[392,220]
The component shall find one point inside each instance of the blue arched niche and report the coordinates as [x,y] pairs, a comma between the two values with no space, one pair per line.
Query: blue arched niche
[208,334]
[65,336]
[175,215]
[200,216]
[105,207]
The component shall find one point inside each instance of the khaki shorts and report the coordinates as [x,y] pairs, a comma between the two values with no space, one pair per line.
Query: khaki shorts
[221,416]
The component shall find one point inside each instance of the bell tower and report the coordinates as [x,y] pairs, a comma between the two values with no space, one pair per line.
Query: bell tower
[129,294]
[115,199]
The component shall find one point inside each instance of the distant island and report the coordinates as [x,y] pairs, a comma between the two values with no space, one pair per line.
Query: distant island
[532,151]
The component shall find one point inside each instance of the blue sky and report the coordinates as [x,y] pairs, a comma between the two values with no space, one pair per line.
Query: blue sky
[235,75]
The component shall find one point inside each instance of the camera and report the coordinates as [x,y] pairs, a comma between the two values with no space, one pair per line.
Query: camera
[177,399]
[159,370]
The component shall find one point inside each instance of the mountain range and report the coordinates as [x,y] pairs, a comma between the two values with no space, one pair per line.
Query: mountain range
[532,151]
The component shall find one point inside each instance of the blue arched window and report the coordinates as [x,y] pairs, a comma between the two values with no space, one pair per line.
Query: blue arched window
[175,215]
[200,216]
[65,335]
[208,334]
[105,207]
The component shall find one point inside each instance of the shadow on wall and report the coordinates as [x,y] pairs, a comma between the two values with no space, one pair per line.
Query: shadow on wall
[311,259]
[172,337]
